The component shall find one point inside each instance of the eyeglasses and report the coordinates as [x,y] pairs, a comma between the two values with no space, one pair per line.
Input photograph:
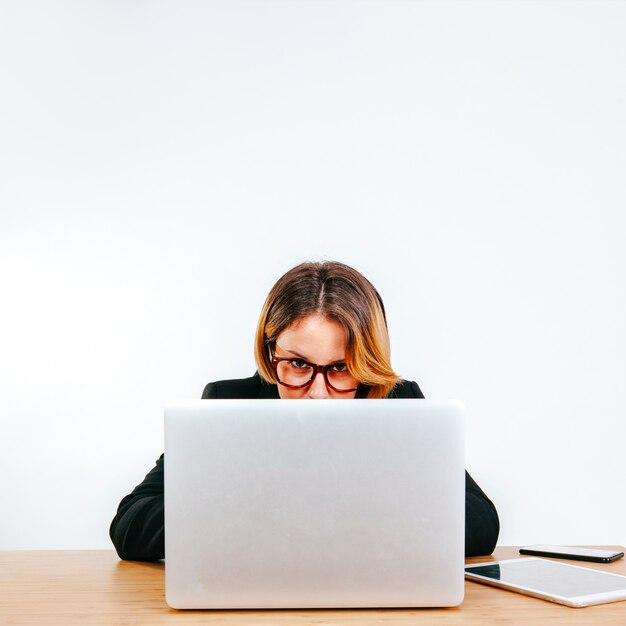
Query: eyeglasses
[298,373]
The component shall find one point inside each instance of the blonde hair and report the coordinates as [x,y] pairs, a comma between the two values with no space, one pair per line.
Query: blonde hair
[340,293]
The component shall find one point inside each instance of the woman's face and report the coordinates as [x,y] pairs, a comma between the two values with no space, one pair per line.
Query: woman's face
[318,340]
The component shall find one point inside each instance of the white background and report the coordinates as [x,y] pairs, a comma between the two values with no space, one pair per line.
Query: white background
[163,163]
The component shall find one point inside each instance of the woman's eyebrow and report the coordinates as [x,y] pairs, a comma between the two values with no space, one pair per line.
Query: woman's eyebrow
[301,356]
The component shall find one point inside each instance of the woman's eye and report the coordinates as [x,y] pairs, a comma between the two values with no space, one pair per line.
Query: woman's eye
[299,364]
[340,367]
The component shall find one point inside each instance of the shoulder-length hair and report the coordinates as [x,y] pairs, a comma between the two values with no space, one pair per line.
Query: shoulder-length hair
[340,293]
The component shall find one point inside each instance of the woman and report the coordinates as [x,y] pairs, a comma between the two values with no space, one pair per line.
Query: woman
[322,333]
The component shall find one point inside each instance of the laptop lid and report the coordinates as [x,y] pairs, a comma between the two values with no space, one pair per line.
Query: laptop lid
[307,504]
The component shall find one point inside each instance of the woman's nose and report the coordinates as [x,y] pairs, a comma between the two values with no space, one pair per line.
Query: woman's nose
[318,389]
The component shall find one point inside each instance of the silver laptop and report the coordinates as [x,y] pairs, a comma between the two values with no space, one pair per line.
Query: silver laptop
[314,504]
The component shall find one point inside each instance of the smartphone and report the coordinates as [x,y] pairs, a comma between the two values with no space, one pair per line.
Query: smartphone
[576,554]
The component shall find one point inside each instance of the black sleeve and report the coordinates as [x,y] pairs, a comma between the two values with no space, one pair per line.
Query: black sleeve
[209,392]
[137,530]
[481,520]
[482,526]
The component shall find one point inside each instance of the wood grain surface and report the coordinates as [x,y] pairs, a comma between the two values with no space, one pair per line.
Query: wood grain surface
[94,587]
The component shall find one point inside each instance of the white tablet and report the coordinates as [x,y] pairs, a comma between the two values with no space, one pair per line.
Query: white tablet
[571,585]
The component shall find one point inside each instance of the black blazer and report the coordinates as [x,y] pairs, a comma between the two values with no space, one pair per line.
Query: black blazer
[137,530]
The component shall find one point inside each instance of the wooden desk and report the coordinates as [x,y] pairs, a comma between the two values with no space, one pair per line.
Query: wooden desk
[95,587]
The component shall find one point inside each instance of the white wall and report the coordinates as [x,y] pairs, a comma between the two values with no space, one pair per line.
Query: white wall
[162,163]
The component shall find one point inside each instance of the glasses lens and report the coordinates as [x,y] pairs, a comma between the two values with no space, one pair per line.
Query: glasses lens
[294,372]
[340,378]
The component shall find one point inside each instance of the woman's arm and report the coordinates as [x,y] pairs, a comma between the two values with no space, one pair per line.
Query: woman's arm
[481,520]
[137,528]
